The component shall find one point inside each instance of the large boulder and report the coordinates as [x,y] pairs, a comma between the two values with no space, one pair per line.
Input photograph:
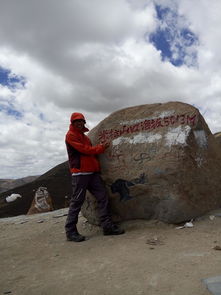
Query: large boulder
[218,138]
[163,163]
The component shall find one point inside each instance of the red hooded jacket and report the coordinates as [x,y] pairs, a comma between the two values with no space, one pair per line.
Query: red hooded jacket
[81,153]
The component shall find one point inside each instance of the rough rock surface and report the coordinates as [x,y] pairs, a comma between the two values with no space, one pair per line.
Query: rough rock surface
[218,138]
[41,203]
[163,163]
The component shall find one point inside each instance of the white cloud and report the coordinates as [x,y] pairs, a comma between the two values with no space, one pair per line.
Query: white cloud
[95,57]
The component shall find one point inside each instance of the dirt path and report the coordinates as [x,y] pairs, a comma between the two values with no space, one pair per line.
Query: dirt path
[151,258]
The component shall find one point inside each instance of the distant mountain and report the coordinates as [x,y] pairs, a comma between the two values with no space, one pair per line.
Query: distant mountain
[58,182]
[7,184]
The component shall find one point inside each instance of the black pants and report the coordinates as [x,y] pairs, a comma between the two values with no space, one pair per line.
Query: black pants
[94,184]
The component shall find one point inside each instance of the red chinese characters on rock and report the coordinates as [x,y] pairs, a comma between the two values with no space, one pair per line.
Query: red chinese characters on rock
[107,135]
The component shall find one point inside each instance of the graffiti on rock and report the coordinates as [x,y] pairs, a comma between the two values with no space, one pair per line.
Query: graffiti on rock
[121,186]
[115,153]
[110,134]
[201,138]
[116,159]
[140,158]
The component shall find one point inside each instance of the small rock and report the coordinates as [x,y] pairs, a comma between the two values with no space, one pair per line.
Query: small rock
[154,241]
[213,284]
[60,215]
[186,225]
[217,248]
[21,222]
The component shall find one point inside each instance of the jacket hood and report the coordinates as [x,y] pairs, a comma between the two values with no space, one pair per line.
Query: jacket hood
[75,129]
[77,116]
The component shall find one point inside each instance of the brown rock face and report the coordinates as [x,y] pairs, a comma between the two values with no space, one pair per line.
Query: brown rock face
[218,138]
[163,163]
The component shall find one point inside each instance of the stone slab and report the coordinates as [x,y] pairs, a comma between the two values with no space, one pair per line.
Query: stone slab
[213,284]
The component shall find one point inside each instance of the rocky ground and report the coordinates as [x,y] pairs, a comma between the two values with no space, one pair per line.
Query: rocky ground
[151,258]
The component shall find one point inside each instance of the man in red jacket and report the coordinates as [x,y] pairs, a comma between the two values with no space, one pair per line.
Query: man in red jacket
[85,168]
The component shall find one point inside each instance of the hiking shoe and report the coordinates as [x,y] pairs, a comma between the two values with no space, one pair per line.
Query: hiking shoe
[113,230]
[75,237]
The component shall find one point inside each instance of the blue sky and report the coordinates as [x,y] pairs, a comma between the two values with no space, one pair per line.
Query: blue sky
[169,37]
[10,80]
[52,64]
[13,82]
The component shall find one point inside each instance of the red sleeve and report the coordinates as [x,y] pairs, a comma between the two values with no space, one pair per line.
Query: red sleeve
[76,142]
